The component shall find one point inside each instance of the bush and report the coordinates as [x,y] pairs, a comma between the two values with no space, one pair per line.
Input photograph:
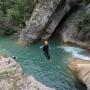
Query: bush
[9,31]
[14,13]
[84,25]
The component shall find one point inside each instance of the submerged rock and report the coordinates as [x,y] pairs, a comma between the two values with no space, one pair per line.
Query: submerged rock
[45,18]
[76,29]
[13,78]
[81,70]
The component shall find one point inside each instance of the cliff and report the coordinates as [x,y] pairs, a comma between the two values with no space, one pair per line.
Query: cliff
[45,18]
[76,28]
[13,78]
[71,16]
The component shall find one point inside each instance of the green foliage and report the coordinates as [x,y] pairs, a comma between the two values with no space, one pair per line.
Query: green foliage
[84,25]
[14,13]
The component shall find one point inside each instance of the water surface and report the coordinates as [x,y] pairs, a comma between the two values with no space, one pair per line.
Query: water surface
[55,75]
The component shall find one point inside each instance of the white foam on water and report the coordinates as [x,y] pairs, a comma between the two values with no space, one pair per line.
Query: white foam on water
[75,51]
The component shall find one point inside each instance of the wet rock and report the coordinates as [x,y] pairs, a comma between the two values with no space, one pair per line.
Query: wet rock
[13,78]
[81,69]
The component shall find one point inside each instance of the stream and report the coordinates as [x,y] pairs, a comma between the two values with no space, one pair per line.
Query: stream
[56,74]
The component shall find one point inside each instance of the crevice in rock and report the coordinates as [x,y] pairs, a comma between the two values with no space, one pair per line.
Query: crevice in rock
[59,26]
[60,6]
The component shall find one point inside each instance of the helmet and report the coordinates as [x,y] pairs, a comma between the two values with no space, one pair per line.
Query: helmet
[46,42]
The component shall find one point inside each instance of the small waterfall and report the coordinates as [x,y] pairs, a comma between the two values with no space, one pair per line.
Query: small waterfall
[76,52]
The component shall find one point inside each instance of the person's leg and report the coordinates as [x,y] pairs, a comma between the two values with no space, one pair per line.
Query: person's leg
[49,59]
[47,56]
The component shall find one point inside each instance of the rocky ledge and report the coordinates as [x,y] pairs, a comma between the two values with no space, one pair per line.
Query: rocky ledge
[81,70]
[13,78]
[76,28]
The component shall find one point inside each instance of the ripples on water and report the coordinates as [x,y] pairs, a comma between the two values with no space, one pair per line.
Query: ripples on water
[33,62]
[76,52]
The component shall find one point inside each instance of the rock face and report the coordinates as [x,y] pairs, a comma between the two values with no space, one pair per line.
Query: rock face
[13,78]
[49,13]
[81,70]
[44,20]
[76,29]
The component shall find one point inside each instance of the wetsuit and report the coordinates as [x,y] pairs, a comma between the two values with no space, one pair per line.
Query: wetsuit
[46,51]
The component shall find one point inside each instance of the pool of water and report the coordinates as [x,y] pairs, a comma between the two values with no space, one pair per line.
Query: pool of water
[55,75]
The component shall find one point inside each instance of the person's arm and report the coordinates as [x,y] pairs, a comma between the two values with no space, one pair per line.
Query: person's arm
[41,46]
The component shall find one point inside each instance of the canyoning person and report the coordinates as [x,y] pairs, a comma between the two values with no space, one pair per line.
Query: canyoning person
[45,47]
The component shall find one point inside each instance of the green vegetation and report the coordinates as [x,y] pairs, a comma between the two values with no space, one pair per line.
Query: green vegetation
[13,14]
[84,24]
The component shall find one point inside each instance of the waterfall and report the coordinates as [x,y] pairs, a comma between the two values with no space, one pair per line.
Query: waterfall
[76,52]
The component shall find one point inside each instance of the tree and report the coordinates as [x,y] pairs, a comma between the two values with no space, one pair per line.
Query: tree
[14,13]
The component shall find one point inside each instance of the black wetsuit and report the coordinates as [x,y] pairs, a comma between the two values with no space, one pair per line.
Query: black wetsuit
[46,51]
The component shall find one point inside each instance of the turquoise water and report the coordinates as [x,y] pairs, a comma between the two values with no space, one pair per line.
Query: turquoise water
[55,75]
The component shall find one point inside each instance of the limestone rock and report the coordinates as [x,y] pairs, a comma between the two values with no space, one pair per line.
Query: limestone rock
[76,29]
[81,70]
[13,78]
[45,19]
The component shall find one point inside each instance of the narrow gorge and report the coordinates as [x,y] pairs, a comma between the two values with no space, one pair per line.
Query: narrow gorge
[25,24]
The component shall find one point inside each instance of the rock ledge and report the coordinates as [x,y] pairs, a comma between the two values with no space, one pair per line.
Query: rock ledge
[13,78]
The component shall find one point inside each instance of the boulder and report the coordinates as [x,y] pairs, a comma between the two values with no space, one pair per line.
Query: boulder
[45,18]
[81,70]
[13,78]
